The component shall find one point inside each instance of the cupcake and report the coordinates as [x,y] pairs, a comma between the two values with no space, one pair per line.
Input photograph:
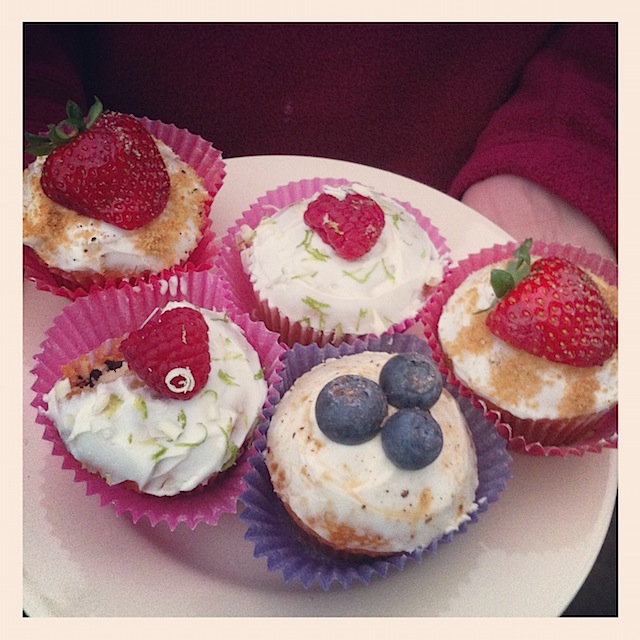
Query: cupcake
[328,260]
[136,204]
[367,462]
[152,394]
[531,333]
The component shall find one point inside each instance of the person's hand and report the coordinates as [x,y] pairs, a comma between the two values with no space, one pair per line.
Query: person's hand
[525,210]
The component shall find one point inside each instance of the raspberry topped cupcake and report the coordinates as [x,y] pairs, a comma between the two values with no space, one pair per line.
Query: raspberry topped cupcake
[167,407]
[531,331]
[152,394]
[107,199]
[328,260]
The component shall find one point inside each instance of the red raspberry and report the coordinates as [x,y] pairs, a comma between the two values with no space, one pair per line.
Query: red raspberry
[351,226]
[170,353]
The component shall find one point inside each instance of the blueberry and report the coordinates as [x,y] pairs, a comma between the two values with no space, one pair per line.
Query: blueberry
[411,380]
[411,439]
[350,409]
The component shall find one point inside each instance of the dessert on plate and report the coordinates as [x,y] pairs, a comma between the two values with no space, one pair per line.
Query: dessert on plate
[531,331]
[327,260]
[166,408]
[152,394]
[108,199]
[367,461]
[371,455]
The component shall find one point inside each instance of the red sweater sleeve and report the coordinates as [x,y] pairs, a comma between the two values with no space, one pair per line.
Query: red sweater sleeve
[559,128]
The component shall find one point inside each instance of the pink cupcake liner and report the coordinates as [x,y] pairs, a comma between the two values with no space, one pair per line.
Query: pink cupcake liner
[208,164]
[110,313]
[298,555]
[245,299]
[533,437]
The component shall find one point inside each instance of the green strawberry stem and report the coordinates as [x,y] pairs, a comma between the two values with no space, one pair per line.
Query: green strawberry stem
[504,280]
[64,131]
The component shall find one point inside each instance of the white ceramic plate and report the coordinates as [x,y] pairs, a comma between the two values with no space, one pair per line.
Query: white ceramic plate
[527,556]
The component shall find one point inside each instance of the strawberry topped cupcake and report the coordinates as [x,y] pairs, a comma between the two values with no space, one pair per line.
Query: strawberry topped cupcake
[327,260]
[108,199]
[531,331]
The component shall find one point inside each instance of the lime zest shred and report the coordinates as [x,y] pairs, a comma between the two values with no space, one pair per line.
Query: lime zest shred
[316,254]
[195,444]
[304,275]
[224,318]
[318,307]
[158,454]
[360,279]
[115,402]
[361,316]
[388,273]
[227,378]
[232,450]
[229,355]
[141,406]
[314,304]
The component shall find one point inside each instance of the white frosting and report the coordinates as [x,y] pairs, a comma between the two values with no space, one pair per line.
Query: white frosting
[356,489]
[166,446]
[303,277]
[526,386]
[95,246]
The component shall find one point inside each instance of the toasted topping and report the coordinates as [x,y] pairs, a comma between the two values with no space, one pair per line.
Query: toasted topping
[524,384]
[70,241]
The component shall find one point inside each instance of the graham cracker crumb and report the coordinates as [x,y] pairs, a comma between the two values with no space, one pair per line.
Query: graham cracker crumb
[517,378]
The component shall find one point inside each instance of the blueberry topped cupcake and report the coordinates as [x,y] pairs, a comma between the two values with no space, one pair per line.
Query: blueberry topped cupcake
[367,461]
[371,455]
[106,199]
[326,260]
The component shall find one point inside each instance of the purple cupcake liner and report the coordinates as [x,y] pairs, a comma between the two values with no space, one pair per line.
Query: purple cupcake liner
[110,313]
[298,555]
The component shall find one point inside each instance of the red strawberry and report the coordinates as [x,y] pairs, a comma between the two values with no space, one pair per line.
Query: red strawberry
[170,353]
[557,312]
[351,226]
[109,169]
